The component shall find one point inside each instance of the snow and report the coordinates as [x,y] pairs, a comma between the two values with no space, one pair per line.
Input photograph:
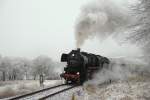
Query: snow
[68,95]
[120,90]
[12,88]
[45,93]
[135,88]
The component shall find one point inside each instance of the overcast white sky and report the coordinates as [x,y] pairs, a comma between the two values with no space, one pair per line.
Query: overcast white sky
[29,28]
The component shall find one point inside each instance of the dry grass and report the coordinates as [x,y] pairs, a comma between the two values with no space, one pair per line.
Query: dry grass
[90,89]
[73,97]
[12,88]
[7,92]
[18,89]
[126,98]
[139,78]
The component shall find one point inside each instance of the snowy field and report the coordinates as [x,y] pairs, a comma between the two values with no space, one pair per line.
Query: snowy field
[137,88]
[12,88]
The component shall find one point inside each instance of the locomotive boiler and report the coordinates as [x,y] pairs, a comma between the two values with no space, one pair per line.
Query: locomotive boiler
[82,65]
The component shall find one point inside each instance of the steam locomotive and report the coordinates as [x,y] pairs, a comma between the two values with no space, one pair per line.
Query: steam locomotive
[81,66]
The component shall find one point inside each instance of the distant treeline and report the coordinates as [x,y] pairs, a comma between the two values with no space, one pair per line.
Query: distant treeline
[22,68]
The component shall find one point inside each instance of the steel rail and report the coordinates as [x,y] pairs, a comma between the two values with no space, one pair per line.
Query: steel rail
[32,93]
[53,94]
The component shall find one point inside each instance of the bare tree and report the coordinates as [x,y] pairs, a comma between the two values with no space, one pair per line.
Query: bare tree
[14,68]
[22,68]
[5,64]
[141,29]
[42,65]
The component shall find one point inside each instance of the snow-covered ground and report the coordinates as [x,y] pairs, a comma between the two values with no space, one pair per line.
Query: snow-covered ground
[133,89]
[12,88]
[120,91]
[68,95]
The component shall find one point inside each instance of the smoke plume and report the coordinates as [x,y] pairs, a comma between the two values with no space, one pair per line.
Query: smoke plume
[102,18]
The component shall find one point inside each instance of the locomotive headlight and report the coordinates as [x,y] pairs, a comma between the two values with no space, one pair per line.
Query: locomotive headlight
[78,73]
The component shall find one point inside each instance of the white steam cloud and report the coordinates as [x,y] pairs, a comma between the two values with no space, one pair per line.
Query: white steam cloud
[102,18]
[121,69]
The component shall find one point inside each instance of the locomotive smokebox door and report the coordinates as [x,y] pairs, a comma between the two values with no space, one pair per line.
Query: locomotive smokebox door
[64,57]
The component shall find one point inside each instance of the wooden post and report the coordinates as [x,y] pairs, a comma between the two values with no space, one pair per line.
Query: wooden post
[73,97]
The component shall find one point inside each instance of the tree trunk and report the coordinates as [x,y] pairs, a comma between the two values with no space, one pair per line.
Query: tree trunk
[34,77]
[4,77]
[14,76]
[26,75]
[9,77]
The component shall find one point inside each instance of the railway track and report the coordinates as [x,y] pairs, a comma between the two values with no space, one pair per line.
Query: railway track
[44,93]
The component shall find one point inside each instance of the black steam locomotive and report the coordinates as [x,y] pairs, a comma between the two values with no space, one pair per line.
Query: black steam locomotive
[81,65]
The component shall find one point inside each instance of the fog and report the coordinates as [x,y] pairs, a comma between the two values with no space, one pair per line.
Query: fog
[30,28]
